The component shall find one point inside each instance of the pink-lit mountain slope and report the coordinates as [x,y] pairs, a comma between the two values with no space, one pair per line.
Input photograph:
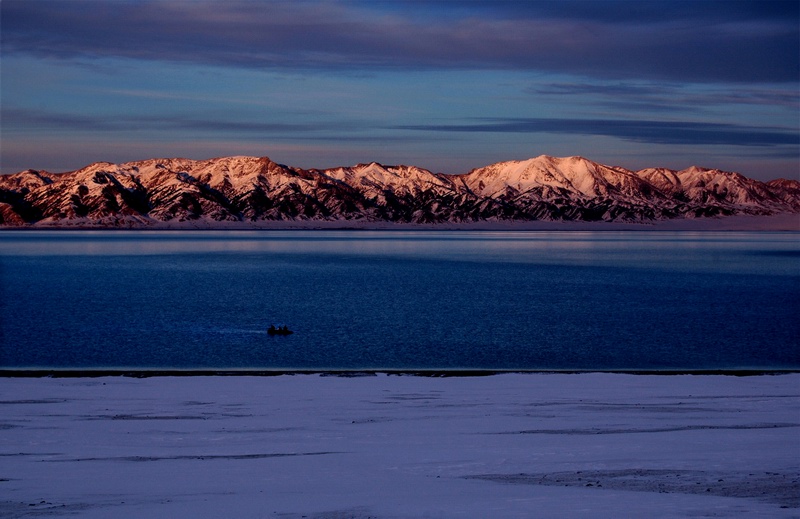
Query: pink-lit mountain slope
[253,189]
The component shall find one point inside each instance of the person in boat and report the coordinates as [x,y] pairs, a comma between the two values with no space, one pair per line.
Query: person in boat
[280,330]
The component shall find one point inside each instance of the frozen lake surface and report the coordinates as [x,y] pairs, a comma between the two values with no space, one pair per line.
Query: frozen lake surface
[294,446]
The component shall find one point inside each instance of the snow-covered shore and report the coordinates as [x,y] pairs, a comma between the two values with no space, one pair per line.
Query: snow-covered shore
[510,445]
[738,223]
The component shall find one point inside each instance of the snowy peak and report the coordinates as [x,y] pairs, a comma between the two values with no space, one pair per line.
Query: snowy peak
[242,189]
[545,175]
[706,185]
[28,179]
[664,179]
[376,178]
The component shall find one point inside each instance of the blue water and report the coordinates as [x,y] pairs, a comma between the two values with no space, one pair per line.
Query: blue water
[400,300]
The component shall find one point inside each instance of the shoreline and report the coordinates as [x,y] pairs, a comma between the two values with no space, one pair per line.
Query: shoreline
[353,373]
[784,222]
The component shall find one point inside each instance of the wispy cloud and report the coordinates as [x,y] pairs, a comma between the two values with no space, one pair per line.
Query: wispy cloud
[668,97]
[19,121]
[646,131]
[23,121]
[656,132]
[38,120]
[695,41]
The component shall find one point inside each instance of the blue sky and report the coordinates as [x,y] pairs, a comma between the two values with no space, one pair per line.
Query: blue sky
[447,85]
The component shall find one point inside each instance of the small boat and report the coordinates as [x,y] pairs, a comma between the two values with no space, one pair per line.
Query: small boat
[280,330]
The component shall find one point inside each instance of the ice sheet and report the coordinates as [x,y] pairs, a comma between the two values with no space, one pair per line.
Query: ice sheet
[292,446]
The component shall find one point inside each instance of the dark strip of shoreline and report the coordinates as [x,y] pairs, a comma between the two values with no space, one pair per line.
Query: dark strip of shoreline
[147,373]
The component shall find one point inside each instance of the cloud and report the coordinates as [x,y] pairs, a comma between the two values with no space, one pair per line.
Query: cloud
[33,120]
[655,132]
[663,97]
[642,131]
[683,41]
[44,122]
[618,11]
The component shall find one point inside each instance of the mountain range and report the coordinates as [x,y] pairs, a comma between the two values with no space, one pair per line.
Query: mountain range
[206,193]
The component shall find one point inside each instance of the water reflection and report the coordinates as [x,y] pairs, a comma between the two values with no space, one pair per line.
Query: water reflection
[691,251]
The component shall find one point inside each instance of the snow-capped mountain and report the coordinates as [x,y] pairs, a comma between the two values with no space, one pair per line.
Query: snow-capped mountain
[571,188]
[242,189]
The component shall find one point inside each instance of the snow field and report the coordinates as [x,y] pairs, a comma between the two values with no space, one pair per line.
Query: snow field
[291,446]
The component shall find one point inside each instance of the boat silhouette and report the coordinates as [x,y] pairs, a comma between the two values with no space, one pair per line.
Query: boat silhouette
[280,330]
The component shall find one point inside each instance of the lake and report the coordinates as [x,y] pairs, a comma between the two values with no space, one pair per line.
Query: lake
[538,300]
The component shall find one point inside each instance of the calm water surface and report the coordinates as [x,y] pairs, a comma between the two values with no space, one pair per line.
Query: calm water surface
[406,300]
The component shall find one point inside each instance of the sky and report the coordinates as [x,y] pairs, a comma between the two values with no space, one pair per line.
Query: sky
[444,85]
